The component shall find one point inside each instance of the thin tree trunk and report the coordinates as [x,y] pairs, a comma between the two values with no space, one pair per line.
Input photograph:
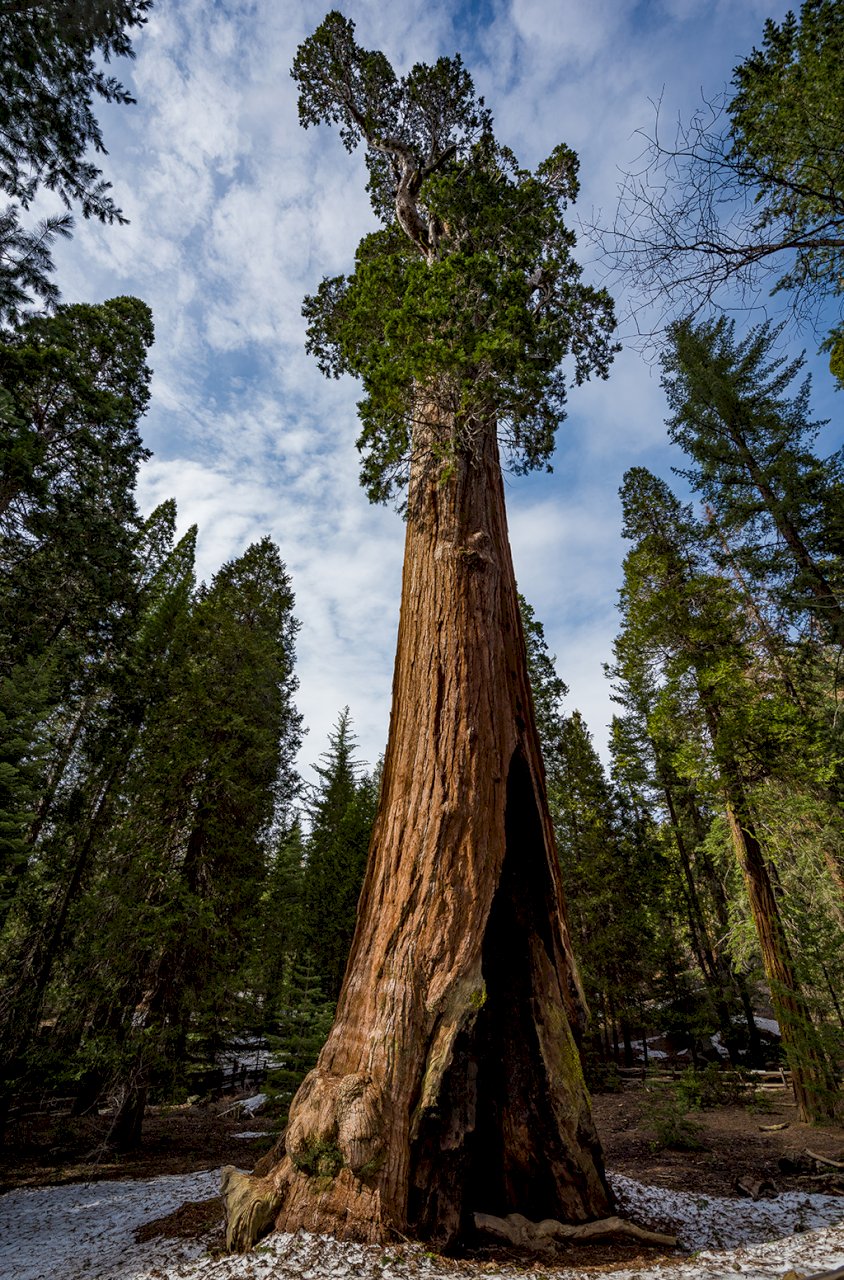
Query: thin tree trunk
[450,1082]
[831,853]
[605,1031]
[721,908]
[829,611]
[627,1041]
[814,1084]
[712,965]
[21,1004]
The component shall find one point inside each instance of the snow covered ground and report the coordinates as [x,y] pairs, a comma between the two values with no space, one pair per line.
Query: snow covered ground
[86,1232]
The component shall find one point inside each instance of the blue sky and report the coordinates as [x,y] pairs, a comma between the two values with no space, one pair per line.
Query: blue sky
[236,213]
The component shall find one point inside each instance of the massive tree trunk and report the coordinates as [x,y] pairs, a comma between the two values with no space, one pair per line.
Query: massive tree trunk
[450,1082]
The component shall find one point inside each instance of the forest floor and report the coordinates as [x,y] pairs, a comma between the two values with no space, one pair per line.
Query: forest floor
[159,1215]
[738,1144]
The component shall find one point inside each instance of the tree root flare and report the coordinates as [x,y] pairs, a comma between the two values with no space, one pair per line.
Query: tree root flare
[251,1206]
[544,1236]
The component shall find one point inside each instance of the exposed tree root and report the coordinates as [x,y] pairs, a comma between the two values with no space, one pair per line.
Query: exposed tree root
[251,1205]
[544,1236]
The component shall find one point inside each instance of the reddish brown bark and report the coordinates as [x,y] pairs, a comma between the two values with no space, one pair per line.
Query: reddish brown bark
[450,1082]
[814,1084]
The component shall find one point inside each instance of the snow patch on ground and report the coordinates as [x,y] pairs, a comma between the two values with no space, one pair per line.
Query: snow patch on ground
[767,1024]
[653,1052]
[246,1106]
[86,1232]
[720,1222]
[250,1106]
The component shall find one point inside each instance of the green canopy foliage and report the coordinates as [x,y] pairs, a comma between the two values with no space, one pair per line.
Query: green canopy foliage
[51,73]
[786,139]
[465,305]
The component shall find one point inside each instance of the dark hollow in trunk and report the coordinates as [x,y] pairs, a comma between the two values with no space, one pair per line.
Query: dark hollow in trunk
[498,1083]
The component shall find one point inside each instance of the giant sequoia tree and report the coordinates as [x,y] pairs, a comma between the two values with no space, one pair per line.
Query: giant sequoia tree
[450,1082]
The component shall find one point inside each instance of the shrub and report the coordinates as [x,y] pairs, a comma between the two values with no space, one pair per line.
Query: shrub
[667,1114]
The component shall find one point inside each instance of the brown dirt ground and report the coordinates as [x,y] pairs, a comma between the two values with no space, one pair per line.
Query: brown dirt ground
[738,1144]
[47,1150]
[43,1150]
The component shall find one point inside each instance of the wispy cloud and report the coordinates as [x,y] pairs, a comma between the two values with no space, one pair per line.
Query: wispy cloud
[237,212]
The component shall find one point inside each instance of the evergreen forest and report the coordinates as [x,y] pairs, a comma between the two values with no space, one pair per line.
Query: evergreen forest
[178,892]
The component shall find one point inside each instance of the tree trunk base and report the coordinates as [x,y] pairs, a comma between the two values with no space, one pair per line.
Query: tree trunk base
[349,1210]
[126,1131]
[291,1200]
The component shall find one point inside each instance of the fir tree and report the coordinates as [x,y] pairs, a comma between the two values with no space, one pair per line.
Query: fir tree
[342,811]
[750,446]
[190,857]
[88,741]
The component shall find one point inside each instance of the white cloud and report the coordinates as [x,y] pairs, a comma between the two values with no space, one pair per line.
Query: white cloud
[569,30]
[237,212]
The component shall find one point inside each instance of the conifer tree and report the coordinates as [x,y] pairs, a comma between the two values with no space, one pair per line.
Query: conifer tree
[689,617]
[87,744]
[302,1022]
[50,75]
[458,318]
[342,811]
[281,925]
[752,461]
[643,742]
[775,510]
[74,386]
[190,855]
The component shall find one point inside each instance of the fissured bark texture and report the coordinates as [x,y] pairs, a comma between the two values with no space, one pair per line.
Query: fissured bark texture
[450,1082]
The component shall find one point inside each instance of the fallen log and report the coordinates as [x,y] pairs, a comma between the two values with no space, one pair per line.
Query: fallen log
[545,1235]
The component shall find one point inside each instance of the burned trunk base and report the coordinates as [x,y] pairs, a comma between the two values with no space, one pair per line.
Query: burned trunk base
[495,1140]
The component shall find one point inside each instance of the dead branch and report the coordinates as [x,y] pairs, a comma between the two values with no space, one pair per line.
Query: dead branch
[836,1164]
